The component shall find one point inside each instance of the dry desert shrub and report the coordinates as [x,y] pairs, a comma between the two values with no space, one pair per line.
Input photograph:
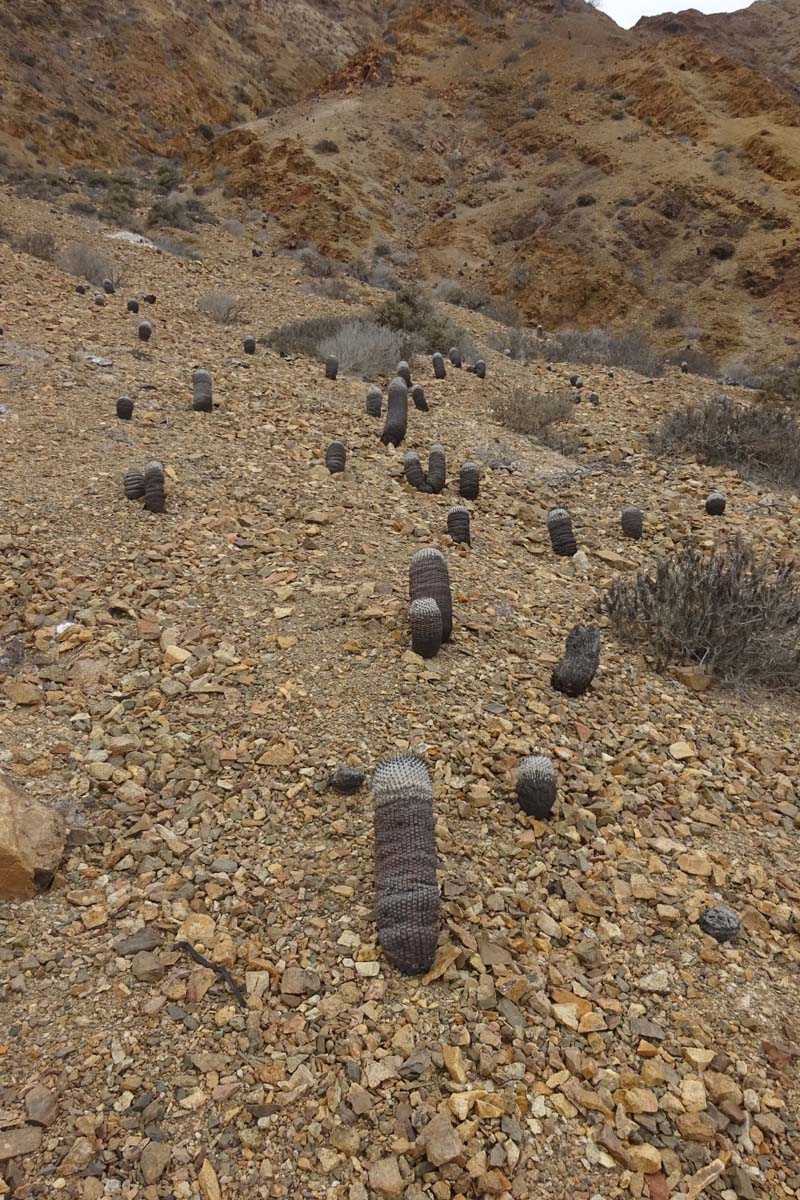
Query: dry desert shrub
[365,348]
[759,440]
[532,412]
[37,245]
[415,313]
[221,307]
[737,616]
[91,263]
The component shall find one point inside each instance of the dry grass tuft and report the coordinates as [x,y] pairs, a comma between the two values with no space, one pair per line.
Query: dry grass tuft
[221,306]
[533,412]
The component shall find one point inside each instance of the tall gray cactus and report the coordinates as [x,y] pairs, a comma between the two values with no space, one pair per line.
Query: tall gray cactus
[715,504]
[396,424]
[336,457]
[249,345]
[438,366]
[125,408]
[536,786]
[133,484]
[437,468]
[154,495]
[407,910]
[458,524]
[454,354]
[469,481]
[404,371]
[632,521]
[428,576]
[562,539]
[145,331]
[426,627]
[577,668]
[331,366]
[418,397]
[201,390]
[415,476]
[374,402]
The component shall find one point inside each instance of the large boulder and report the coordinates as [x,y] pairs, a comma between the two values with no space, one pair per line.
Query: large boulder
[31,842]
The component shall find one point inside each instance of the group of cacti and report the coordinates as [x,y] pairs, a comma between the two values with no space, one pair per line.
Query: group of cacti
[431,613]
[436,476]
[148,484]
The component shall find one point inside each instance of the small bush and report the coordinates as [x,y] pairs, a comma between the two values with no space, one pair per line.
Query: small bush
[738,617]
[532,413]
[233,227]
[222,307]
[697,362]
[449,291]
[630,350]
[779,384]
[365,348]
[37,245]
[585,200]
[326,146]
[331,289]
[415,313]
[91,263]
[722,250]
[317,265]
[759,440]
[171,245]
[382,275]
[669,316]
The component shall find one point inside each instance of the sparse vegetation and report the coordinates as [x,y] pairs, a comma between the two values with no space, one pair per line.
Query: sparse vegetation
[631,350]
[37,245]
[222,307]
[331,289]
[736,616]
[326,146]
[532,412]
[91,263]
[416,314]
[365,348]
[759,440]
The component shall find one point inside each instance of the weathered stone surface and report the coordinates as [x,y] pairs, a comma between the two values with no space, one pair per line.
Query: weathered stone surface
[16,1142]
[154,1161]
[385,1178]
[41,1106]
[32,837]
[442,1143]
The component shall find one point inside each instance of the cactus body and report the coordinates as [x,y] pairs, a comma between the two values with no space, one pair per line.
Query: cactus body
[458,524]
[715,504]
[394,429]
[108,287]
[99,299]
[576,381]
[536,786]
[336,457]
[469,481]
[562,539]
[438,366]
[145,331]
[331,367]
[133,484]
[684,368]
[415,476]
[632,521]
[437,468]
[426,627]
[154,495]
[428,576]
[454,354]
[133,306]
[406,892]
[418,397]
[249,345]
[374,402]
[404,371]
[201,391]
[124,408]
[720,922]
[576,669]
[149,298]
[479,369]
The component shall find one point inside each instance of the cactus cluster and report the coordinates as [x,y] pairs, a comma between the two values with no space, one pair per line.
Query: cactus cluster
[562,538]
[715,504]
[437,468]
[331,366]
[124,408]
[396,424]
[418,397]
[374,402]
[415,476]
[426,627]
[536,786]
[454,354]
[201,391]
[407,911]
[438,366]
[469,481]
[145,331]
[632,521]
[133,484]
[428,577]
[458,524]
[154,482]
[336,457]
[577,668]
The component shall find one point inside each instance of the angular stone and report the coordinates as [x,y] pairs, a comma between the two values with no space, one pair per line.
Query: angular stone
[154,1161]
[385,1177]
[442,1143]
[146,938]
[147,967]
[15,1142]
[696,1127]
[296,981]
[41,1106]
[454,1063]
[644,1158]
[198,928]
[32,840]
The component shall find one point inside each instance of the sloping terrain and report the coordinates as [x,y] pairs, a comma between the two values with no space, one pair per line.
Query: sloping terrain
[190,679]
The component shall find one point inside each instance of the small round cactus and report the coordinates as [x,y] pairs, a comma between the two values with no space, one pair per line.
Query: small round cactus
[576,381]
[133,306]
[438,366]
[720,922]
[346,779]
[374,402]
[149,298]
[145,331]
[133,484]
[124,408]
[418,397]
[108,287]
[469,481]
[154,495]
[577,668]
[428,576]
[479,369]
[536,786]
[458,524]
[396,424]
[201,391]
[99,299]
[632,521]
[404,371]
[249,345]
[426,627]
[684,368]
[81,289]
[437,468]
[454,354]
[331,366]
[415,476]
[715,504]
[562,539]
[336,457]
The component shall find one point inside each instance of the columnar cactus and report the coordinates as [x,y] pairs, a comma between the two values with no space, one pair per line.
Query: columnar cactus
[404,371]
[154,496]
[438,366]
[249,345]
[458,524]
[428,576]
[426,627]
[145,331]
[418,397]
[406,892]
[454,354]
[562,539]
[133,306]
[414,473]
[469,481]
[374,402]
[632,521]
[124,408]
[336,457]
[108,287]
[437,468]
[331,366]
[536,786]
[133,484]
[201,391]
[715,504]
[394,429]
[576,669]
